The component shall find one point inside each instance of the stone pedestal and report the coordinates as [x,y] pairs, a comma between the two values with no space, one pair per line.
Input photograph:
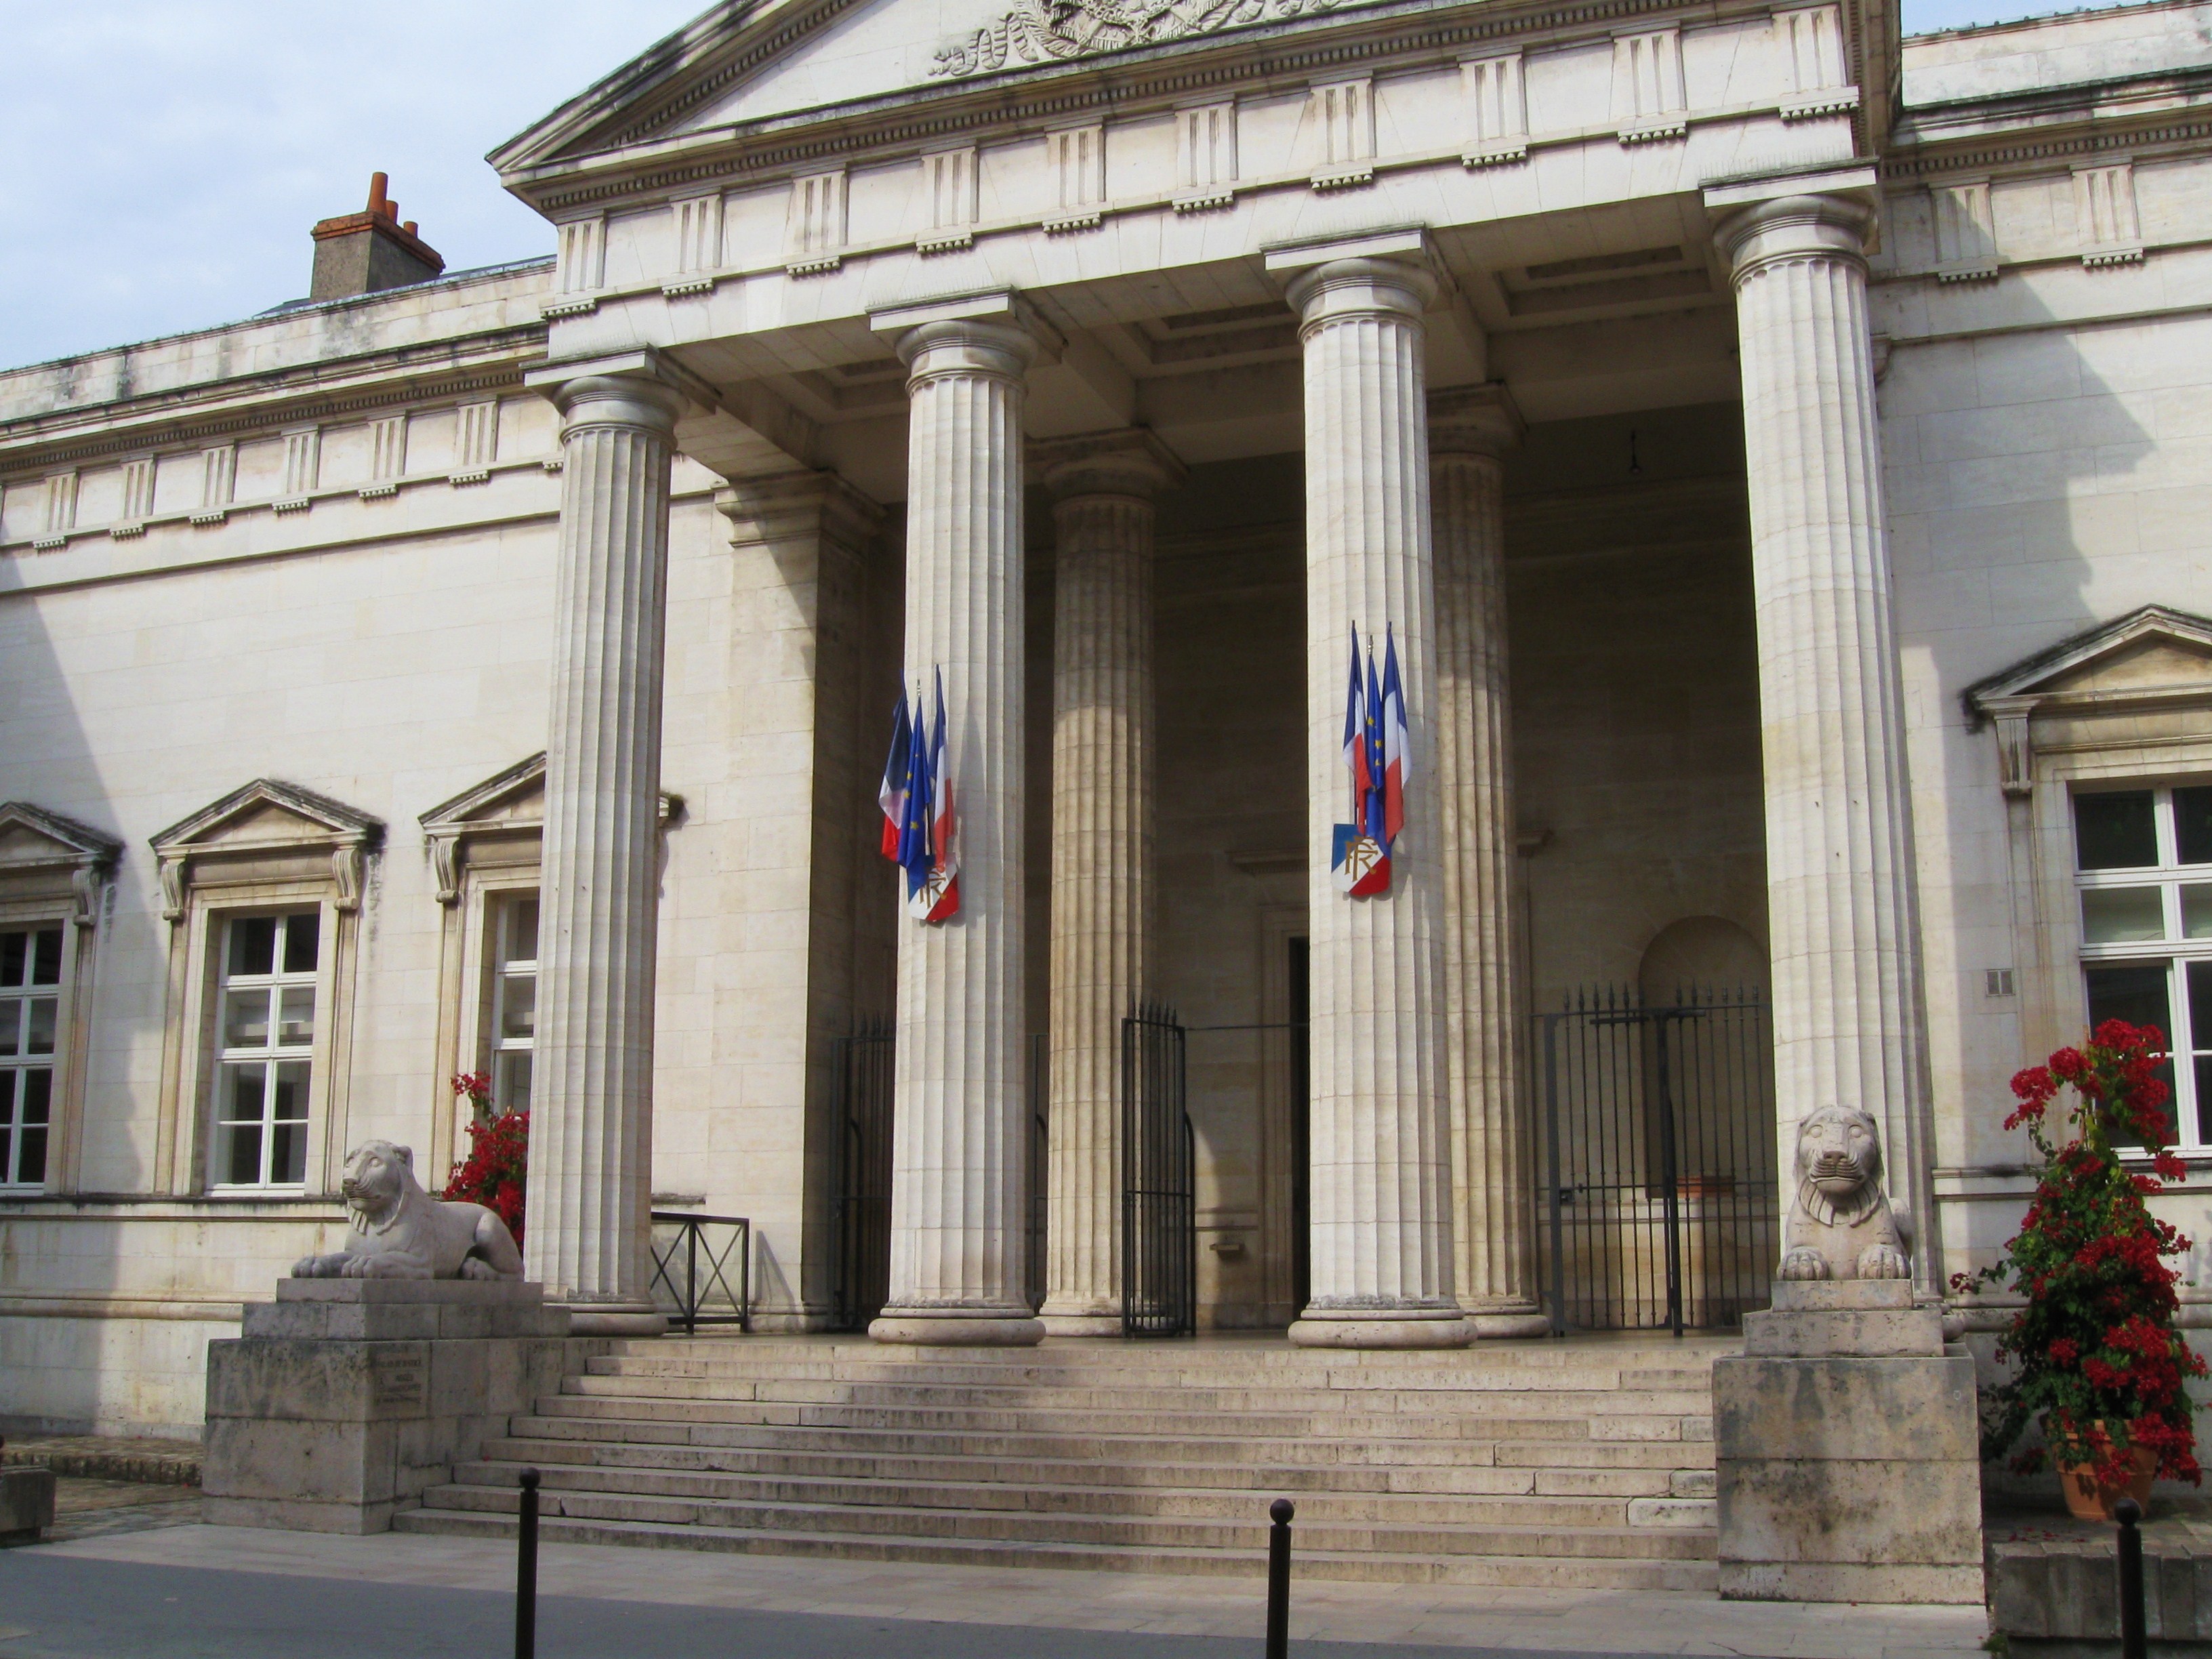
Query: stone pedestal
[1381,1267]
[27,1503]
[1848,1452]
[346,1398]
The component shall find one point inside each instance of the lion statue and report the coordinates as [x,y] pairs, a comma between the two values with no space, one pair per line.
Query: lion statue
[400,1231]
[1841,1225]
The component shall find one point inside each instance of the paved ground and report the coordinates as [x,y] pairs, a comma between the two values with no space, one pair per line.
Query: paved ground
[184,1591]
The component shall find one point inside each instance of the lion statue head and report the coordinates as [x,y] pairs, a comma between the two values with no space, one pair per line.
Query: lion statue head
[1839,1159]
[380,1179]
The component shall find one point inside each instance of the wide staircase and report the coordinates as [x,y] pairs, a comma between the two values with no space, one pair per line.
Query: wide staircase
[1585,1463]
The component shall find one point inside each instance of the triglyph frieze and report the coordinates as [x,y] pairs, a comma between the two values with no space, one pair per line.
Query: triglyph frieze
[1038,31]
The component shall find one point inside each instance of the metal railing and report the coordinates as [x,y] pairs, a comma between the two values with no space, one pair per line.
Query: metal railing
[692,1267]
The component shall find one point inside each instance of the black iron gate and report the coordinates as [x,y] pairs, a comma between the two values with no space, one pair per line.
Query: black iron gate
[1040,1166]
[863,1216]
[1656,1200]
[1159,1189]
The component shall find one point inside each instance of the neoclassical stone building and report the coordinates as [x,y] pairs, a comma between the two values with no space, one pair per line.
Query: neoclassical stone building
[1777,455]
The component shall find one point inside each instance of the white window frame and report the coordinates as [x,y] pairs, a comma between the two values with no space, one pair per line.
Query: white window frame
[2169,875]
[502,971]
[271,1054]
[53,1062]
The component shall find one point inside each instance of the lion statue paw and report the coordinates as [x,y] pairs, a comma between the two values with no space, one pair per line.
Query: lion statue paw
[1800,1264]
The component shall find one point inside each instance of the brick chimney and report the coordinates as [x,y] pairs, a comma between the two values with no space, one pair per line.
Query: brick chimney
[364,251]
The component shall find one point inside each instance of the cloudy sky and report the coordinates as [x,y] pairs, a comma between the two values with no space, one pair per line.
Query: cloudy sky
[161,160]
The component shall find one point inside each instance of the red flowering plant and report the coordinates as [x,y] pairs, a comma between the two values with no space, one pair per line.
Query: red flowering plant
[492,1174]
[2099,1358]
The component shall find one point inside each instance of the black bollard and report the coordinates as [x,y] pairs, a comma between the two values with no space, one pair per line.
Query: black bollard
[525,1571]
[1278,1578]
[2128,1513]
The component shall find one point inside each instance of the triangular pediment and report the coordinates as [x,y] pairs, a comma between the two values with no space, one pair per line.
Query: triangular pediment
[31,838]
[2147,652]
[513,799]
[268,813]
[768,60]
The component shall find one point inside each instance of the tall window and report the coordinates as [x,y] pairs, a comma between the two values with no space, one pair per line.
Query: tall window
[514,1001]
[2144,859]
[30,1015]
[267,1036]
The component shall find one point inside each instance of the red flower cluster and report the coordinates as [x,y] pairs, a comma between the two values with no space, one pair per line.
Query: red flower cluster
[2099,1360]
[492,1174]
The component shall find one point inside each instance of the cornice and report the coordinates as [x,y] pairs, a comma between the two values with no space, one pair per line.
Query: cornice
[1292,49]
[2044,144]
[271,398]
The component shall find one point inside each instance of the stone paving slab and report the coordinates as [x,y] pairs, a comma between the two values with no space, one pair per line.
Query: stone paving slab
[108,1457]
[893,1611]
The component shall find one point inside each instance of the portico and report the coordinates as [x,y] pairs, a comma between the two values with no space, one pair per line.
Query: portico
[1375,283]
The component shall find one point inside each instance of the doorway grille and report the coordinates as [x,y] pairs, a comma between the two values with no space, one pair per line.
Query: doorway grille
[1159,1191]
[1657,1205]
[863,1217]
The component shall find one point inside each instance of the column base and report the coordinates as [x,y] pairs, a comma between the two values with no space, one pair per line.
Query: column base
[1082,1324]
[1507,1320]
[614,1319]
[1410,1328]
[963,1330]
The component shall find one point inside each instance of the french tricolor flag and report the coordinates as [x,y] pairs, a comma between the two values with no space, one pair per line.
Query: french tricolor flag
[1374,710]
[891,792]
[942,891]
[1397,761]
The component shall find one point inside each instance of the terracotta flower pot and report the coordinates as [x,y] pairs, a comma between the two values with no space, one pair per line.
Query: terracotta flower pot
[2087,1499]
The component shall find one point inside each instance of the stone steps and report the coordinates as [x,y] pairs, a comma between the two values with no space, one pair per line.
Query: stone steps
[1528,1466]
[1504,1571]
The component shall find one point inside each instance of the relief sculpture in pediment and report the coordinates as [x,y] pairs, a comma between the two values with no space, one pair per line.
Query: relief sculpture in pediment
[1036,31]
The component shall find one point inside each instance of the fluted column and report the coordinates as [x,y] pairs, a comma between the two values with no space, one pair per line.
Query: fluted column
[959,1175]
[1380,1248]
[1849,1021]
[1102,847]
[1493,1237]
[591,1139]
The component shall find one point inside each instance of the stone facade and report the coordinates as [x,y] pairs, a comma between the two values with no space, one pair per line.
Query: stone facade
[1775,449]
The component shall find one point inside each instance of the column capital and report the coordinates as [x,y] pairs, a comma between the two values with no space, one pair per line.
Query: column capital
[1386,273]
[1830,214]
[1473,420]
[996,333]
[641,387]
[1129,461]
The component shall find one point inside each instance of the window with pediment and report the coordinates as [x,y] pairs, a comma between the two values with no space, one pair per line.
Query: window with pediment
[2104,747]
[54,882]
[484,849]
[261,891]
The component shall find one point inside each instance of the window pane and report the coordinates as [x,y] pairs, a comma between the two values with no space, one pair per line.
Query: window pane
[46,963]
[11,1019]
[40,1014]
[31,1157]
[243,1100]
[518,1007]
[287,1154]
[38,1095]
[511,1082]
[7,1097]
[295,1017]
[522,929]
[2203,1099]
[290,1104]
[2136,992]
[246,1019]
[13,956]
[240,1160]
[2117,916]
[301,935]
[254,945]
[2115,832]
[2196,912]
[2192,824]
[2200,1005]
